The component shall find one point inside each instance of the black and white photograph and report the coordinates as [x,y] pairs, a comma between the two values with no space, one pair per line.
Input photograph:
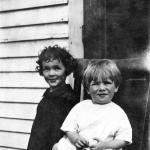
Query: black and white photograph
[74,75]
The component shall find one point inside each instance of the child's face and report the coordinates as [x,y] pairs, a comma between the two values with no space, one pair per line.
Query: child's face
[54,73]
[102,92]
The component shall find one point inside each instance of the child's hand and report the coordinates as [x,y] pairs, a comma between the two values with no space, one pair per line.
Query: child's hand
[97,145]
[81,142]
[112,144]
[93,142]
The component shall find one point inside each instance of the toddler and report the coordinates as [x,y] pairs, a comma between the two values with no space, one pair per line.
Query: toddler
[97,123]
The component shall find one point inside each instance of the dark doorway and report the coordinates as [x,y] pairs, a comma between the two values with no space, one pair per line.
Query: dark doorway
[115,28]
[119,29]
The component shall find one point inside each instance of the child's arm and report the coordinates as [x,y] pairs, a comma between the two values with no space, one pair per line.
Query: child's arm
[77,140]
[113,144]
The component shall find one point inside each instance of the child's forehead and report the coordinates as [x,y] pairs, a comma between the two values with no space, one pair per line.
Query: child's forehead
[52,59]
[101,76]
[54,62]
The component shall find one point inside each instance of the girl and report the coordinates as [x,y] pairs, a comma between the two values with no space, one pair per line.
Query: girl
[54,64]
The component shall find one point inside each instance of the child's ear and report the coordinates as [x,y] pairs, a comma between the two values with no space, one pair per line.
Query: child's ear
[88,91]
[116,90]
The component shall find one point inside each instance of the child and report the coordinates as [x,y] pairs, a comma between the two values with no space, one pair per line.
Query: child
[97,123]
[54,64]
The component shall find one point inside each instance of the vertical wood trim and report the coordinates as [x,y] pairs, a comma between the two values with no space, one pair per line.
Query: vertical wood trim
[75,28]
[148,145]
[148,110]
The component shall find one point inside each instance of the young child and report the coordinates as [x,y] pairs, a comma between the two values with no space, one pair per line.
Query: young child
[97,123]
[54,64]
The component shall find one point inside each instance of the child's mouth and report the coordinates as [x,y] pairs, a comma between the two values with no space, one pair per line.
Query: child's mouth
[102,94]
[52,80]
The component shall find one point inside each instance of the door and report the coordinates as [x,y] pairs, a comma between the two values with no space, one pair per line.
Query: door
[119,30]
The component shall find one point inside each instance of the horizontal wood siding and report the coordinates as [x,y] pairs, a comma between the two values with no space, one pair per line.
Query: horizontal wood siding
[8,5]
[26,27]
[28,95]
[28,48]
[34,32]
[18,64]
[22,80]
[7,148]
[19,111]
[35,16]
[18,140]
[22,126]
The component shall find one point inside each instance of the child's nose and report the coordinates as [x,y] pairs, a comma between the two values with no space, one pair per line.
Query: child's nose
[101,86]
[51,72]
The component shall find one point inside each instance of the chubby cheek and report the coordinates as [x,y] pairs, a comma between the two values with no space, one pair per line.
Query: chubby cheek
[92,91]
[45,75]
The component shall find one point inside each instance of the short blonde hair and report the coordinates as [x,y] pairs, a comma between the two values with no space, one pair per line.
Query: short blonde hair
[101,70]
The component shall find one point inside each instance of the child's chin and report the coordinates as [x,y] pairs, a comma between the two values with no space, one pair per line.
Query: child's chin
[101,102]
[52,84]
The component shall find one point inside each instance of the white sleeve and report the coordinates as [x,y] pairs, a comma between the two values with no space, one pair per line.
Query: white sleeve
[125,131]
[70,123]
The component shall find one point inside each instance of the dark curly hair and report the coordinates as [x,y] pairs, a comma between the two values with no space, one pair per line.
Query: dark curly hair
[56,53]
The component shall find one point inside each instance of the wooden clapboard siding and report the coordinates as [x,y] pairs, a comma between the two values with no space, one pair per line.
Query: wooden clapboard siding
[47,31]
[22,80]
[28,48]
[7,148]
[16,139]
[19,111]
[19,126]
[26,27]
[18,64]
[24,4]
[28,95]
[35,16]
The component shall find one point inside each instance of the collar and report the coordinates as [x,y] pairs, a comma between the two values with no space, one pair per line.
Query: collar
[58,91]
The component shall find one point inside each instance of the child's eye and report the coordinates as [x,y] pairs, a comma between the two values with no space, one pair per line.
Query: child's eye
[45,69]
[94,83]
[57,68]
[107,82]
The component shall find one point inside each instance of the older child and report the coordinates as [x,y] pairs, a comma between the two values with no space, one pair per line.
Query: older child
[54,64]
[97,123]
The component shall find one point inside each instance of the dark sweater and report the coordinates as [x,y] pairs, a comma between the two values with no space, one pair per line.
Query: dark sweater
[51,112]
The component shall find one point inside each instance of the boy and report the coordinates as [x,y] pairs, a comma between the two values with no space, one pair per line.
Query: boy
[97,123]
